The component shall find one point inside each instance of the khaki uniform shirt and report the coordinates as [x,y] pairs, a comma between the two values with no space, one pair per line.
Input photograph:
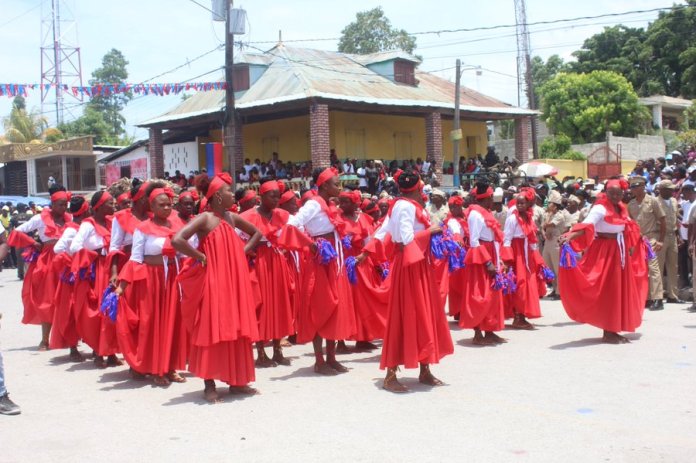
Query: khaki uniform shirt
[501,216]
[437,216]
[559,220]
[648,214]
[670,207]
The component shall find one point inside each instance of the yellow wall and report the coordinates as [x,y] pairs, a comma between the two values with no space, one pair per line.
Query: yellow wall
[568,168]
[381,135]
[627,166]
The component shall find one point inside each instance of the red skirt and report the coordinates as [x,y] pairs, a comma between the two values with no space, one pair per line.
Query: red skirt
[530,287]
[64,325]
[417,330]
[95,329]
[328,310]
[150,330]
[601,293]
[275,282]
[370,301]
[441,267]
[39,288]
[483,305]
[456,291]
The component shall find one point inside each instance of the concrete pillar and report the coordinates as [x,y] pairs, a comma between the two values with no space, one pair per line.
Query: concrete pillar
[319,135]
[657,115]
[433,141]
[156,153]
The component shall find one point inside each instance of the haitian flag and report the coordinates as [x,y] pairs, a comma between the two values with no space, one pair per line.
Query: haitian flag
[213,158]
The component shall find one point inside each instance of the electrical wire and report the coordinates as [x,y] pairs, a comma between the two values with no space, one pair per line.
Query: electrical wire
[9,21]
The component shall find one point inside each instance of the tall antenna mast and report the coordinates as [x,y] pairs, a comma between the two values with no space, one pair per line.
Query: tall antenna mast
[61,65]
[525,86]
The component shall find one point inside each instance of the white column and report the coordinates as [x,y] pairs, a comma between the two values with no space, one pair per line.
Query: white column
[64,168]
[657,115]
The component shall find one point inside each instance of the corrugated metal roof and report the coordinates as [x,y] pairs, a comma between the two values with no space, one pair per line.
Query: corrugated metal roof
[300,73]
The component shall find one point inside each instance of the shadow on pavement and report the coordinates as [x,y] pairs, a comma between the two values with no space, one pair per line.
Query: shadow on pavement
[560,324]
[371,359]
[306,372]
[579,343]
[689,326]
[196,397]
[28,349]
[469,342]
[411,383]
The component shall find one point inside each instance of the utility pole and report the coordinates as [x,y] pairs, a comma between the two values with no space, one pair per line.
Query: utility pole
[230,113]
[456,134]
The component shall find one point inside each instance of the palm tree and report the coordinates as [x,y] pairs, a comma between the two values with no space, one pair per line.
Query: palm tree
[22,126]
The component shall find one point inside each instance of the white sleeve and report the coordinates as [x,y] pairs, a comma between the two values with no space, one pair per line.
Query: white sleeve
[405,219]
[138,249]
[381,232]
[117,236]
[78,243]
[476,224]
[595,215]
[306,213]
[63,244]
[31,226]
[454,226]
[510,225]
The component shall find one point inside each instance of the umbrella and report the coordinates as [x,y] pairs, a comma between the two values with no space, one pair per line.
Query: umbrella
[538,169]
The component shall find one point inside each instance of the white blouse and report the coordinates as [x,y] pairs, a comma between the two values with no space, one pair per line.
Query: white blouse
[63,244]
[87,238]
[478,230]
[146,245]
[313,219]
[401,224]
[119,237]
[596,218]
[454,226]
[35,224]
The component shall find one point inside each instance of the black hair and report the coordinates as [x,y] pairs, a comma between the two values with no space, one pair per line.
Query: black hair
[76,203]
[316,172]
[481,187]
[135,186]
[151,186]
[56,188]
[239,193]
[95,198]
[268,178]
[408,180]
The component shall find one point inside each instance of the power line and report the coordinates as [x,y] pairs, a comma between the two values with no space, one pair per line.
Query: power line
[497,26]
[22,14]
[203,6]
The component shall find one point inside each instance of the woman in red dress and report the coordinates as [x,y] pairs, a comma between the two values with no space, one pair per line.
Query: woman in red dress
[370,299]
[456,223]
[64,326]
[217,303]
[609,285]
[482,307]
[149,325]
[123,226]
[41,279]
[273,272]
[416,332]
[186,206]
[327,313]
[91,270]
[521,252]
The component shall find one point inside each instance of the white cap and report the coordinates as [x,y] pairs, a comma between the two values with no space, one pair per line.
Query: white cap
[498,195]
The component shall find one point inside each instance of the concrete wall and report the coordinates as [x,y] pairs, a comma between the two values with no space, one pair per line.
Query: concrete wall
[182,157]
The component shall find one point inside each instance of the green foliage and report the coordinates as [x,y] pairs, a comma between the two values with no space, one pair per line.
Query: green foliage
[573,156]
[690,117]
[585,106]
[372,32]
[52,135]
[92,123]
[542,72]
[658,60]
[687,138]
[554,147]
[22,126]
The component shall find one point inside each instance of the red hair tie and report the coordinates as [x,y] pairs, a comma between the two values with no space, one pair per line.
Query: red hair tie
[189,194]
[487,194]
[249,196]
[141,192]
[59,195]
[220,180]
[287,196]
[123,197]
[161,191]
[104,198]
[328,173]
[269,186]
[82,210]
[353,196]
[529,194]
[618,183]
[456,201]
[370,210]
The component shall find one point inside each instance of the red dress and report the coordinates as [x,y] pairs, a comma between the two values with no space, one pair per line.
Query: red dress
[91,269]
[602,290]
[327,306]
[271,269]
[456,278]
[219,311]
[41,278]
[64,325]
[417,330]
[483,305]
[524,258]
[149,322]
[370,297]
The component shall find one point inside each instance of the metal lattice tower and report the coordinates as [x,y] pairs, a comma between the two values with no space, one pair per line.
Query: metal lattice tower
[61,66]
[523,59]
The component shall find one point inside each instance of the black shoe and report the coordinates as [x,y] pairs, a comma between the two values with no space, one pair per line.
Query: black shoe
[649,303]
[674,300]
[657,305]
[7,407]
[692,309]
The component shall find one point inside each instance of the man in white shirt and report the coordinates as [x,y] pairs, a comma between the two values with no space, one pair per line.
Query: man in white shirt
[362,177]
[689,196]
[348,167]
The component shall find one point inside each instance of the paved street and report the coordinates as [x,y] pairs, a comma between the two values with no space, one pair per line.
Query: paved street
[555,394]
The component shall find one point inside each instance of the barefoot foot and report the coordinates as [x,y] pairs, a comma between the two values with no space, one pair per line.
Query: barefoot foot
[342,348]
[265,362]
[114,361]
[175,377]
[136,375]
[162,381]
[76,356]
[364,346]
[337,366]
[324,369]
[243,390]
[392,384]
[99,361]
[210,392]
[279,359]
[494,338]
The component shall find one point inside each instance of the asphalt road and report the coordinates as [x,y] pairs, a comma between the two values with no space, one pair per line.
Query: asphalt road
[554,394]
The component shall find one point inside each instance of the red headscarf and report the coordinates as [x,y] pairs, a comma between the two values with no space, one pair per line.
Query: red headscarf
[486,194]
[220,180]
[456,201]
[326,174]
[123,197]
[287,196]
[354,196]
[104,198]
[268,186]
[161,191]
[141,192]
[58,195]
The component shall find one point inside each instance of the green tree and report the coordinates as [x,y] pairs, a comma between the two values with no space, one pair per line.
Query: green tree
[22,126]
[372,32]
[542,72]
[586,106]
[90,123]
[689,117]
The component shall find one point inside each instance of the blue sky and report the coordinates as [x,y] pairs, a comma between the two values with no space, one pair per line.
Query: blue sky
[158,35]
